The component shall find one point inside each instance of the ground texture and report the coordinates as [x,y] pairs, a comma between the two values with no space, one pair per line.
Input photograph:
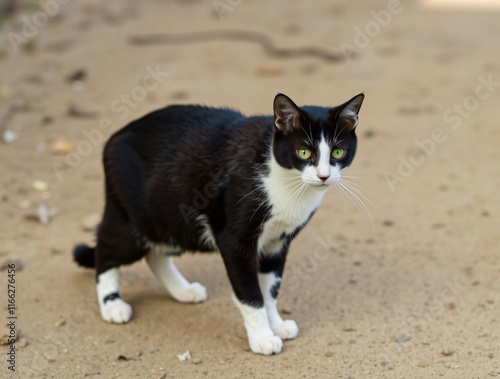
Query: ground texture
[409,291]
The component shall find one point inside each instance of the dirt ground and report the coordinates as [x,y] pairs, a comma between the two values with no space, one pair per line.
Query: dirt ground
[410,290]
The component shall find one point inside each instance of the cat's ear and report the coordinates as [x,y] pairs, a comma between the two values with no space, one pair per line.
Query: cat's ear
[287,115]
[347,116]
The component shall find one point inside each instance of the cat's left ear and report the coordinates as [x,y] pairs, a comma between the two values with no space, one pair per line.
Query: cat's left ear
[348,113]
[287,115]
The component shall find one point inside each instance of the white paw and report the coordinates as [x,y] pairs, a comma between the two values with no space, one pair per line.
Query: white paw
[194,293]
[265,344]
[287,330]
[116,311]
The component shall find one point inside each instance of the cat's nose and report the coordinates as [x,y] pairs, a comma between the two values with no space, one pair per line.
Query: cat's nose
[323,177]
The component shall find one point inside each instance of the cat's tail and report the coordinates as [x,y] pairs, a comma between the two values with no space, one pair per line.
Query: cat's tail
[84,255]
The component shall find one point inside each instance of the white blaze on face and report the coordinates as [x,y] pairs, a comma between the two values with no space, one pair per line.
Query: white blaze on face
[323,168]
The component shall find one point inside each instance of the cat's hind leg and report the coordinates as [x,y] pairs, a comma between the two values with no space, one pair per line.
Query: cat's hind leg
[116,246]
[113,308]
[176,284]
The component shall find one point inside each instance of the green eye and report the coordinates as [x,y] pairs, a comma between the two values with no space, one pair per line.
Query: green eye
[338,153]
[304,153]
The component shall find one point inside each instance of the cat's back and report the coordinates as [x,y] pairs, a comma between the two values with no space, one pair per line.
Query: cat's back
[172,132]
[177,121]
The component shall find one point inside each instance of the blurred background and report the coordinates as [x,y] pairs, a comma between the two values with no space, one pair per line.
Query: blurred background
[399,278]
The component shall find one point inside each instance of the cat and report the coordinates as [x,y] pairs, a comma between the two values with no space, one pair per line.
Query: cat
[195,178]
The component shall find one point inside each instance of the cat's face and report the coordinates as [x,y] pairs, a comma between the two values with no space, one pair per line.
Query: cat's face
[315,143]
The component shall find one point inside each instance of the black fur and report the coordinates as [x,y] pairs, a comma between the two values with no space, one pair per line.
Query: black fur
[84,256]
[110,297]
[174,165]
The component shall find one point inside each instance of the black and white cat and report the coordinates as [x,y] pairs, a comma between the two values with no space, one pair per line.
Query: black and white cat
[194,178]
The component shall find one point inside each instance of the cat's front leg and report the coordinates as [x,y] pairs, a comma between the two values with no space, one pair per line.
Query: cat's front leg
[241,266]
[271,267]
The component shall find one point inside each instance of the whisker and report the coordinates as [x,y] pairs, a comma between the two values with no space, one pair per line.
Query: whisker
[357,190]
[298,198]
[359,200]
[373,199]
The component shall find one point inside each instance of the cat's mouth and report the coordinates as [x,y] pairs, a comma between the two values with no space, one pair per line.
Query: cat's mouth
[321,186]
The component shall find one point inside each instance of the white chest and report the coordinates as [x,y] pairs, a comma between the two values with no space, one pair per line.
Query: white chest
[292,203]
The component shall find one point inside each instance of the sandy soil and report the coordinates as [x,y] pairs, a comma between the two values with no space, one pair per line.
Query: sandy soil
[409,291]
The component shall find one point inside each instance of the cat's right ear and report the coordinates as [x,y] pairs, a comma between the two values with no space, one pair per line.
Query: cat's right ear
[287,115]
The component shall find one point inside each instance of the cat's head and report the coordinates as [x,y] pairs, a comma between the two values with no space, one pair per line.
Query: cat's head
[315,142]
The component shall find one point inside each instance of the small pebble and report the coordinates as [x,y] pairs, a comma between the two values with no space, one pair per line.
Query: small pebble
[40,185]
[24,204]
[9,136]
[77,75]
[91,221]
[45,214]
[447,352]
[59,323]
[270,70]
[11,261]
[179,95]
[61,146]
[46,120]
[5,335]
[184,356]
[402,338]
[77,110]
[369,133]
